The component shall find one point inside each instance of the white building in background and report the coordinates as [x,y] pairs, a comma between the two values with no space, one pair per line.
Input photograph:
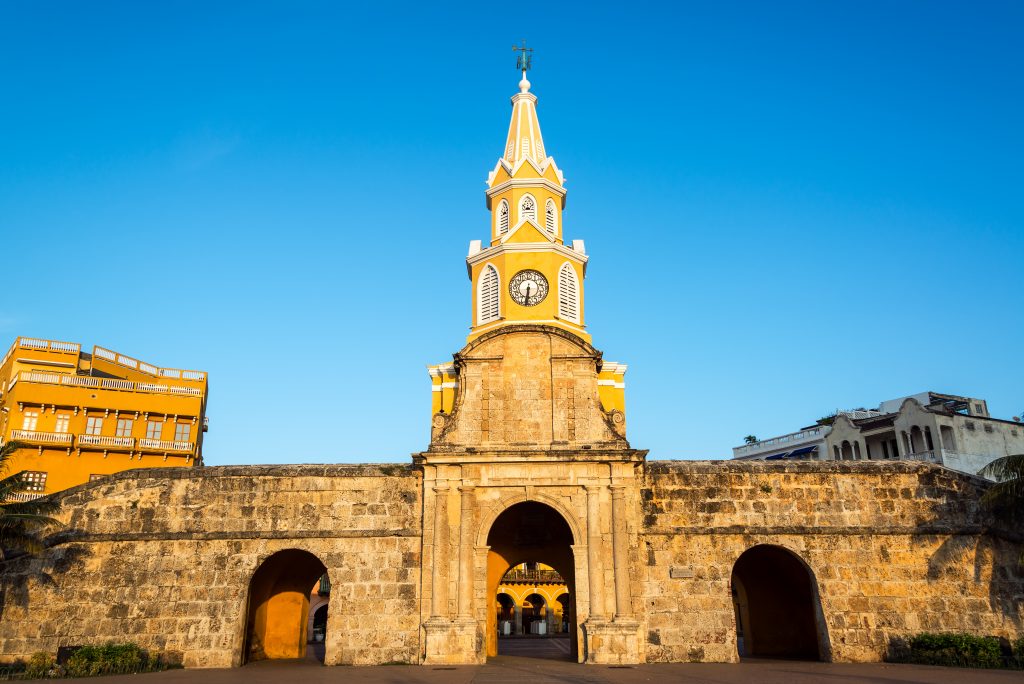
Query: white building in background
[946,429]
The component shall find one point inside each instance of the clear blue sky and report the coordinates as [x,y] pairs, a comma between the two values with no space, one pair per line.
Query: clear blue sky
[790,207]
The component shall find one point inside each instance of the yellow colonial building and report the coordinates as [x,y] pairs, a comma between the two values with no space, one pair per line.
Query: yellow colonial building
[86,415]
[533,599]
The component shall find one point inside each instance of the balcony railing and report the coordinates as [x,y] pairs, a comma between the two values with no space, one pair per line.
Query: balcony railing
[42,437]
[23,496]
[44,345]
[136,364]
[802,436]
[104,441]
[165,445]
[102,383]
[928,456]
[548,576]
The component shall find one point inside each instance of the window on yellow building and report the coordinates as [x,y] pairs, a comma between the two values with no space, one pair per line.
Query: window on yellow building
[29,420]
[62,422]
[550,217]
[487,296]
[93,426]
[503,217]
[124,427]
[568,294]
[182,432]
[35,481]
[153,429]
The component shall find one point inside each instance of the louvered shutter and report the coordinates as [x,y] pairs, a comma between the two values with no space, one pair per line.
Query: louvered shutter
[528,208]
[503,218]
[549,217]
[487,296]
[568,294]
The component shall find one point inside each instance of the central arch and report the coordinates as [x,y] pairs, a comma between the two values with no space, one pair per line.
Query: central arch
[524,532]
[277,619]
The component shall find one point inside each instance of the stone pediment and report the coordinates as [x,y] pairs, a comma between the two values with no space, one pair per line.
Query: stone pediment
[528,388]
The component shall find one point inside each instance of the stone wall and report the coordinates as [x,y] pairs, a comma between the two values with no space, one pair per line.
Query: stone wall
[894,549]
[165,558]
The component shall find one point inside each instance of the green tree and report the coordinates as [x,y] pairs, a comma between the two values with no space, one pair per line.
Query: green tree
[750,439]
[22,523]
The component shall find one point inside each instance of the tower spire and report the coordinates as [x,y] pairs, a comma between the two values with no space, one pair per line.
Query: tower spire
[524,138]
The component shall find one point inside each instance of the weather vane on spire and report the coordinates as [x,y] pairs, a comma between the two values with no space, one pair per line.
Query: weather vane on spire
[524,58]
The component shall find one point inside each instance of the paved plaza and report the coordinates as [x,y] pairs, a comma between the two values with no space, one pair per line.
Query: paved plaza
[523,670]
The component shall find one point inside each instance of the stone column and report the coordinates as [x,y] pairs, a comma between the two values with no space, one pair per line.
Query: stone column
[517,618]
[438,601]
[620,556]
[466,555]
[594,575]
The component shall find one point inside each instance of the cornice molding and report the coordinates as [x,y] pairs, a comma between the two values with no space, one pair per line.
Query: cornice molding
[526,247]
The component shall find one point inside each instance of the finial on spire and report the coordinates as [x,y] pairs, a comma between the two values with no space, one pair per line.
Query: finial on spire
[524,60]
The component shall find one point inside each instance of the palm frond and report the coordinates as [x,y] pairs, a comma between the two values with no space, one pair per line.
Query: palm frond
[22,523]
[1005,498]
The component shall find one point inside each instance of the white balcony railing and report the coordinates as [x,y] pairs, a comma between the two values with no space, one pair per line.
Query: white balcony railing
[42,437]
[104,441]
[136,364]
[928,456]
[802,436]
[103,383]
[164,445]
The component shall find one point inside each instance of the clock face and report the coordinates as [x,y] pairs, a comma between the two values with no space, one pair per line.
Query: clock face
[528,288]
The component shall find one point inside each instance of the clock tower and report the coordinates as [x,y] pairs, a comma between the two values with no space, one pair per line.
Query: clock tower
[528,458]
[527,272]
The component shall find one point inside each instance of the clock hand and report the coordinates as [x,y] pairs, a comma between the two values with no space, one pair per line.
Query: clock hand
[527,294]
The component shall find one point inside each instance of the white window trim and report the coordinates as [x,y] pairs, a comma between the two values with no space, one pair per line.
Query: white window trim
[521,216]
[480,295]
[508,218]
[578,293]
[550,204]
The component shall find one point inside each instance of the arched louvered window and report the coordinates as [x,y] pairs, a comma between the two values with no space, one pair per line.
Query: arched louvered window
[568,294]
[503,217]
[528,208]
[550,217]
[488,289]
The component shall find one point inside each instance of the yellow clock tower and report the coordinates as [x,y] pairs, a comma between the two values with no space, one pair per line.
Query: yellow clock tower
[527,273]
[528,276]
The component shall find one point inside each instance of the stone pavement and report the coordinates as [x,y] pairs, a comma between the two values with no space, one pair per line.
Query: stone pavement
[519,670]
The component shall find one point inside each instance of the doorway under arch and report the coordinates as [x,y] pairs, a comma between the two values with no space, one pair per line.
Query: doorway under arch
[525,532]
[778,611]
[277,619]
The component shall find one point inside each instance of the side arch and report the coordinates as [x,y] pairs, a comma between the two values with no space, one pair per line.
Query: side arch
[277,606]
[778,605]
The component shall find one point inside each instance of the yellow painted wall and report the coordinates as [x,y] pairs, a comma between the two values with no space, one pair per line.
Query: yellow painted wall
[51,381]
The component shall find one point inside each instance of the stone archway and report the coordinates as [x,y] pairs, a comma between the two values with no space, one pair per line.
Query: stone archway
[277,619]
[529,531]
[778,611]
